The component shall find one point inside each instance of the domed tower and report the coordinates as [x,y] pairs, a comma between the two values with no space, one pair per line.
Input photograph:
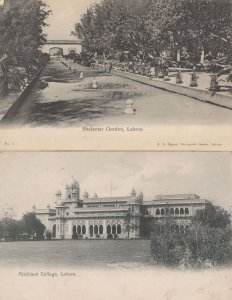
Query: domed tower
[133,193]
[73,191]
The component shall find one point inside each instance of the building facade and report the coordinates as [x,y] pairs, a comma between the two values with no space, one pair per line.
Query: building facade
[111,217]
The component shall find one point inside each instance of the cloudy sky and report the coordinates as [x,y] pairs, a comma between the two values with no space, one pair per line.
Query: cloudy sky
[33,178]
[65,13]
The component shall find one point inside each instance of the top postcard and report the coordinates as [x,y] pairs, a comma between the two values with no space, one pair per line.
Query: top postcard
[115,65]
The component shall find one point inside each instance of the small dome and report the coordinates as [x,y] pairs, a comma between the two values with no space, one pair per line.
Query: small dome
[95,195]
[59,203]
[85,195]
[58,193]
[141,194]
[73,184]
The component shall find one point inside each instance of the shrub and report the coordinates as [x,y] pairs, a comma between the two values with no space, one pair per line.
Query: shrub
[200,247]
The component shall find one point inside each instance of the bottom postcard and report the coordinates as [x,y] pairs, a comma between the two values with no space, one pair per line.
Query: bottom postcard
[116,225]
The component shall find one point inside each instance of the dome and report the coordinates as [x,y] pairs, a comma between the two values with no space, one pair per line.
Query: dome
[85,195]
[59,203]
[73,184]
[58,193]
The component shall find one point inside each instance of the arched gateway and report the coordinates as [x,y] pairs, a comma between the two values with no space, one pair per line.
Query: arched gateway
[62,47]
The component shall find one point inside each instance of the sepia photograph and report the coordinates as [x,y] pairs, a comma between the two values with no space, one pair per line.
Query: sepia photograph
[81,218]
[91,63]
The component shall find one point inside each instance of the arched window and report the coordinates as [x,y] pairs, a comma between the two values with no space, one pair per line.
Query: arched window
[113,229]
[186,211]
[83,229]
[119,229]
[95,229]
[186,228]
[181,211]
[171,211]
[69,196]
[162,212]
[108,229]
[100,229]
[157,212]
[167,211]
[78,229]
[54,231]
[91,230]
[177,211]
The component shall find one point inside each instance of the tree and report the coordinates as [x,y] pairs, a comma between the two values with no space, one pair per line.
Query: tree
[213,216]
[153,27]
[129,223]
[10,229]
[200,247]
[206,243]
[33,227]
[48,235]
[21,37]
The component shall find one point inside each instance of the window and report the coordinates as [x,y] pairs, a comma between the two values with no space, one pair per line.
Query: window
[171,211]
[157,212]
[186,211]
[119,229]
[162,212]
[69,196]
[181,211]
[113,229]
[177,211]
[100,229]
[83,229]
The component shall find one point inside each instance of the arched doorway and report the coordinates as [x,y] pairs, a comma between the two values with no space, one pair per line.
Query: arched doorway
[74,232]
[119,229]
[91,230]
[72,53]
[108,229]
[56,51]
[113,229]
[54,231]
[100,229]
[95,229]
[78,229]
[83,229]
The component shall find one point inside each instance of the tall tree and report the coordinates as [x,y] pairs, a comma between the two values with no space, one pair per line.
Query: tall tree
[32,226]
[21,35]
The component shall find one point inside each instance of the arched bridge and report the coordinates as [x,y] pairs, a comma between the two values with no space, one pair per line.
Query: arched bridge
[62,47]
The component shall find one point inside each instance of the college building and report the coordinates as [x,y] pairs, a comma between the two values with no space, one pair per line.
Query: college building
[114,217]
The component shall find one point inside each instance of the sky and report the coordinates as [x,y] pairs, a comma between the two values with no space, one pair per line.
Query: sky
[30,178]
[65,13]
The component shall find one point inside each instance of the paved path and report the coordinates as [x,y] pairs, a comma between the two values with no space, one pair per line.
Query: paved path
[70,101]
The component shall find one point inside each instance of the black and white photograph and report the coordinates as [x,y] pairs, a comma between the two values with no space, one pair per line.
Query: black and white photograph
[166,214]
[90,63]
[116,203]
